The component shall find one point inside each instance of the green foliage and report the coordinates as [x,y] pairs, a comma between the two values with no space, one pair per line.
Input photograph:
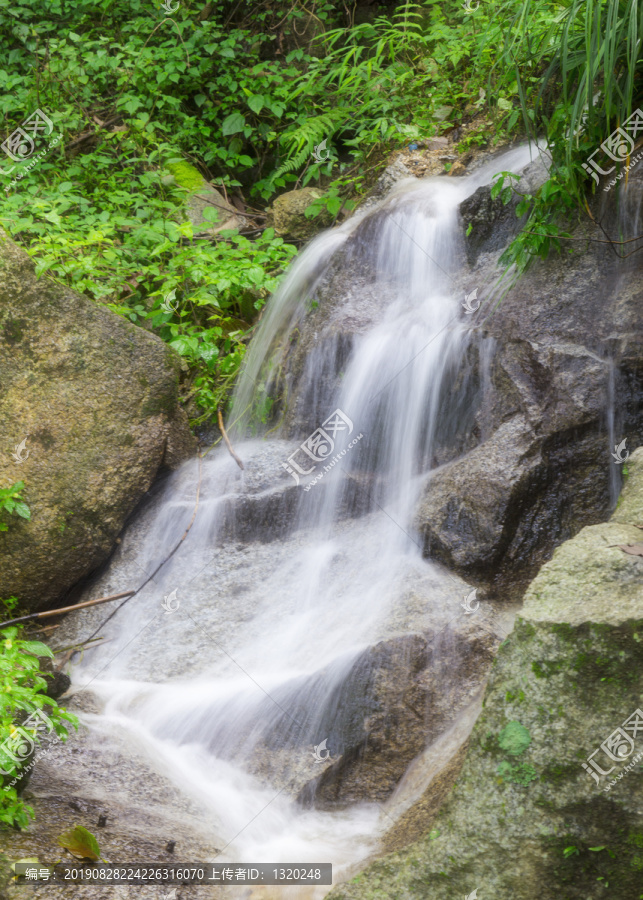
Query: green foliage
[9,604]
[520,773]
[12,503]
[574,68]
[242,93]
[22,694]
[514,738]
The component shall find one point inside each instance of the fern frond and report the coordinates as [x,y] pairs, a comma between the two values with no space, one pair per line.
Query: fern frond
[301,142]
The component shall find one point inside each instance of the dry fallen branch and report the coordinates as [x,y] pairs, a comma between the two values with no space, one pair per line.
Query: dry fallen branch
[66,609]
[227,441]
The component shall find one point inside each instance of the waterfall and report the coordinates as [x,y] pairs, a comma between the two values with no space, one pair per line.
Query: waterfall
[246,667]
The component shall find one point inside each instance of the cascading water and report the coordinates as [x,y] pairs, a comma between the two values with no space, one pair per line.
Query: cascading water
[232,683]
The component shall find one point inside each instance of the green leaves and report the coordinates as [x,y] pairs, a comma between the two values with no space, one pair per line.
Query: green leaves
[25,713]
[81,843]
[11,502]
[256,103]
[37,648]
[514,738]
[233,124]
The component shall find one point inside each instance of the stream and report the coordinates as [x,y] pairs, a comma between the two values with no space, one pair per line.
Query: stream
[228,669]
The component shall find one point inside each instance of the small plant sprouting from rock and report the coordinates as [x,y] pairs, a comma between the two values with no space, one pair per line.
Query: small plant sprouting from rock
[514,738]
[520,773]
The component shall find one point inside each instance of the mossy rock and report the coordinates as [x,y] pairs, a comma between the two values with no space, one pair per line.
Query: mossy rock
[289,212]
[186,175]
[96,398]
[526,818]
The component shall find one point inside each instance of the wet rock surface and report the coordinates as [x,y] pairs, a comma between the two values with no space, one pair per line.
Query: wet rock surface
[489,222]
[395,699]
[525,816]
[399,697]
[94,775]
[567,366]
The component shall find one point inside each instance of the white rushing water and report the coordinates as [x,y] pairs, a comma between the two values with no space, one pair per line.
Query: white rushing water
[252,660]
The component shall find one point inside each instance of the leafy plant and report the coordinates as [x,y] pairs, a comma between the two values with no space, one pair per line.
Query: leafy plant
[11,502]
[9,604]
[574,67]
[514,738]
[522,773]
[23,702]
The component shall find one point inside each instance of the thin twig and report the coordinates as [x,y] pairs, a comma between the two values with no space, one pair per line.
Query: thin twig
[169,556]
[227,441]
[234,212]
[79,644]
[65,609]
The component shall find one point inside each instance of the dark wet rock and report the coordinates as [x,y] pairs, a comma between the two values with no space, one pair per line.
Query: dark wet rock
[97,400]
[474,509]
[58,685]
[399,698]
[396,698]
[569,343]
[489,223]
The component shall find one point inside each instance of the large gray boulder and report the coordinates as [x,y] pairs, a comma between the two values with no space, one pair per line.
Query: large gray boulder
[97,400]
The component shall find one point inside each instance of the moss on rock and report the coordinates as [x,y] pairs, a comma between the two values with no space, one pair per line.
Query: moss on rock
[97,399]
[526,818]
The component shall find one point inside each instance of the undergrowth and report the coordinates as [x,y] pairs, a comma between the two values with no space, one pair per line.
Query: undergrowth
[244,92]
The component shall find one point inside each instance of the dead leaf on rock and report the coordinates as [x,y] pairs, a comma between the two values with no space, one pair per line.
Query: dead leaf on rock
[632,549]
[81,843]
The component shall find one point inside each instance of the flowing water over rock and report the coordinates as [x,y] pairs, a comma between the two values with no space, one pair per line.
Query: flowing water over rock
[288,662]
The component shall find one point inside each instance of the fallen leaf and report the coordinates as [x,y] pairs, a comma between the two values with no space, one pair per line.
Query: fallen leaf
[29,860]
[632,549]
[81,843]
